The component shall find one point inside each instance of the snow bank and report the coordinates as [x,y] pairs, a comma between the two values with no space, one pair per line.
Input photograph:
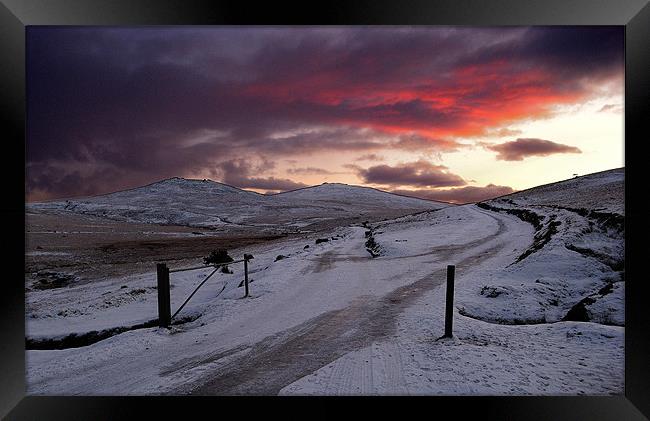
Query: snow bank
[575,254]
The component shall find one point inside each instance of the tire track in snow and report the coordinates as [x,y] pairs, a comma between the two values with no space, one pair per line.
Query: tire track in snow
[326,260]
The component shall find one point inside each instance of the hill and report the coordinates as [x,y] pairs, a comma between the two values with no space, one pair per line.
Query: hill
[598,191]
[209,204]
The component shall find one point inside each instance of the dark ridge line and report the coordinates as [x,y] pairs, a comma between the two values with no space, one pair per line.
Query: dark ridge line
[75,340]
[79,198]
[613,264]
[607,219]
[62,199]
[364,187]
[174,178]
[541,237]
[515,322]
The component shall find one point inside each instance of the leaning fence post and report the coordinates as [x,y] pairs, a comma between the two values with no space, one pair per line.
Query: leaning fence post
[449,307]
[164,306]
[246,275]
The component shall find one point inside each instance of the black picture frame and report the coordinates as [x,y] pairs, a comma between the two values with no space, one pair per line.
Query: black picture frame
[15,15]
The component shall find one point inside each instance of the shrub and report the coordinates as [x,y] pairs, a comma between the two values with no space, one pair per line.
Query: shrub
[492,292]
[372,247]
[217,256]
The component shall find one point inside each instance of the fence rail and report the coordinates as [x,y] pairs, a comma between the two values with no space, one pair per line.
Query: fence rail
[164,300]
[194,292]
[204,266]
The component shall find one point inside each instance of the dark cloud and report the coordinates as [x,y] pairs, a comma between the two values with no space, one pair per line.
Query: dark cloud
[419,173]
[309,170]
[370,157]
[151,103]
[309,141]
[354,167]
[612,108]
[521,148]
[45,181]
[237,172]
[270,183]
[460,195]
[572,50]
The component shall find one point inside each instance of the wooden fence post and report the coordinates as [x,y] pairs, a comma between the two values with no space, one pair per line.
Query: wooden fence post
[164,306]
[246,275]
[449,307]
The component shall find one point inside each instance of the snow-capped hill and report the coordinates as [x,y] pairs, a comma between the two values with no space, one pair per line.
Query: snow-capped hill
[206,203]
[182,185]
[598,191]
[174,201]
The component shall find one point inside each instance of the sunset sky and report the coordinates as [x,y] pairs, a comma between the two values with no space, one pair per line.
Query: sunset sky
[456,114]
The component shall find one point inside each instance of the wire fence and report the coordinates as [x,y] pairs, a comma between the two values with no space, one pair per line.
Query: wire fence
[164,301]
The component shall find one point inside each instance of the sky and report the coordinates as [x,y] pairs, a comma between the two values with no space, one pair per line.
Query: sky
[457,114]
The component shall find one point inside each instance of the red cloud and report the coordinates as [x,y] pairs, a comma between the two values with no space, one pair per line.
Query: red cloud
[282,92]
[469,101]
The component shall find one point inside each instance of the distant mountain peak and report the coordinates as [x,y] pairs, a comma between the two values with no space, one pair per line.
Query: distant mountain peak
[326,184]
[197,185]
[189,180]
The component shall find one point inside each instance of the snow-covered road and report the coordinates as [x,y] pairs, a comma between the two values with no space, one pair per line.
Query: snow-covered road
[283,358]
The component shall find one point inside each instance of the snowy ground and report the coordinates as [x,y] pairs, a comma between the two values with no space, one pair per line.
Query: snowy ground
[576,261]
[563,358]
[331,319]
